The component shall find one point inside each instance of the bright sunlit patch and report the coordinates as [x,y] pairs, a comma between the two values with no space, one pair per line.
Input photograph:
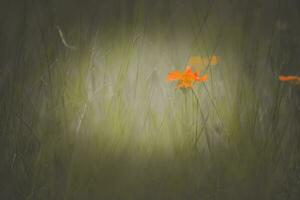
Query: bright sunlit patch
[199,62]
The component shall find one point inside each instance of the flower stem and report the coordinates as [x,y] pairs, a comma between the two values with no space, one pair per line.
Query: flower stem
[203,120]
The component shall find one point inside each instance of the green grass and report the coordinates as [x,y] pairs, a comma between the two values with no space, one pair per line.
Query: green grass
[101,122]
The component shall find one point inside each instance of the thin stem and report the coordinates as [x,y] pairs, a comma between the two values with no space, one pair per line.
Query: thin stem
[203,120]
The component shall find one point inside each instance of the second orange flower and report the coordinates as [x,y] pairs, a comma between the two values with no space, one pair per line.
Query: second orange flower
[290,79]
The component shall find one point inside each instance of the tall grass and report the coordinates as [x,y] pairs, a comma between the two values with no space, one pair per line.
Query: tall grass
[98,121]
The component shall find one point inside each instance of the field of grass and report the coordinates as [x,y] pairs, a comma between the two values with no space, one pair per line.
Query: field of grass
[86,112]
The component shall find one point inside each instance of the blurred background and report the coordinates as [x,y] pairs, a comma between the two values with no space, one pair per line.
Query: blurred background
[86,112]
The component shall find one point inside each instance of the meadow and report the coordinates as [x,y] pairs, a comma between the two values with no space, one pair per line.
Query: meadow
[86,111]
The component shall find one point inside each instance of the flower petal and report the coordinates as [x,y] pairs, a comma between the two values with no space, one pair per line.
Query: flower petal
[184,84]
[173,76]
[202,78]
[188,70]
[288,78]
[196,73]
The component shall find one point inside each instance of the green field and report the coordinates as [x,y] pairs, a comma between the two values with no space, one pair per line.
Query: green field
[86,111]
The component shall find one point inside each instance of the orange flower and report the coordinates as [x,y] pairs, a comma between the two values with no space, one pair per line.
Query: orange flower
[290,79]
[187,78]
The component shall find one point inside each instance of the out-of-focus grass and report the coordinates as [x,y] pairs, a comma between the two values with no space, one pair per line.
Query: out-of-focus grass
[100,122]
